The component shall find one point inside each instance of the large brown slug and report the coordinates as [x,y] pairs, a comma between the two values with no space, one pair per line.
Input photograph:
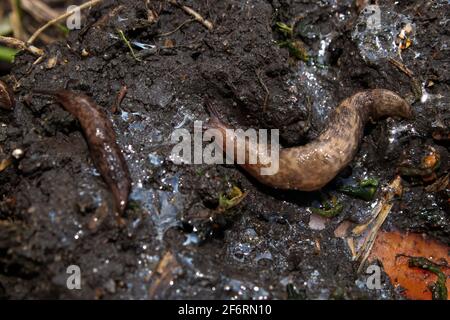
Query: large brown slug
[101,139]
[312,166]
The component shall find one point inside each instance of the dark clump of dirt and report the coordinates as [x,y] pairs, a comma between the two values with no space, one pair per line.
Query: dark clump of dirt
[56,211]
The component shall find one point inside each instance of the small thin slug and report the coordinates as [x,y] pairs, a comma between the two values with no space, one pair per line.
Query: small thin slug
[310,167]
[101,139]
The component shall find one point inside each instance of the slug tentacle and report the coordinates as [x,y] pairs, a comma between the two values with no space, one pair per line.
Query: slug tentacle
[312,166]
[101,139]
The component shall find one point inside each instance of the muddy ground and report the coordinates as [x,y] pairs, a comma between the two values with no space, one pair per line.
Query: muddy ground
[56,211]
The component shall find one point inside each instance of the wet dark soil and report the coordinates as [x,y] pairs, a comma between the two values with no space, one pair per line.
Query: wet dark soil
[56,211]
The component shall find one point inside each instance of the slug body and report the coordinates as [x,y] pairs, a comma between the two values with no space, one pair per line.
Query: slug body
[312,166]
[101,139]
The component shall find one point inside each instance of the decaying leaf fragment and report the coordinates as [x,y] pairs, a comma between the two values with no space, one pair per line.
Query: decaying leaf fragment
[5,163]
[165,273]
[418,284]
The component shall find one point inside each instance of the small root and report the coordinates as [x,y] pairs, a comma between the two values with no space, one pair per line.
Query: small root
[206,23]
[402,67]
[176,29]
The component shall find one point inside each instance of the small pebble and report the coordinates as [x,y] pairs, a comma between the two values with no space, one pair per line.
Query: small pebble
[17,153]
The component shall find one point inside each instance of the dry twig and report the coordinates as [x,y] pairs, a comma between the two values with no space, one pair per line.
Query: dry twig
[118,101]
[208,24]
[88,4]
[39,10]
[176,29]
[266,98]
[165,273]
[379,215]
[20,45]
[402,67]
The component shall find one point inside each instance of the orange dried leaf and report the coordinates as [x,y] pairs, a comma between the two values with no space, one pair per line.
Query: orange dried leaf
[416,282]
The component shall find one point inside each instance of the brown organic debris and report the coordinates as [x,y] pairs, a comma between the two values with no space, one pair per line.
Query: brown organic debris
[120,96]
[367,232]
[439,185]
[197,16]
[39,10]
[400,66]
[20,45]
[5,163]
[165,273]
[7,100]
[38,32]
